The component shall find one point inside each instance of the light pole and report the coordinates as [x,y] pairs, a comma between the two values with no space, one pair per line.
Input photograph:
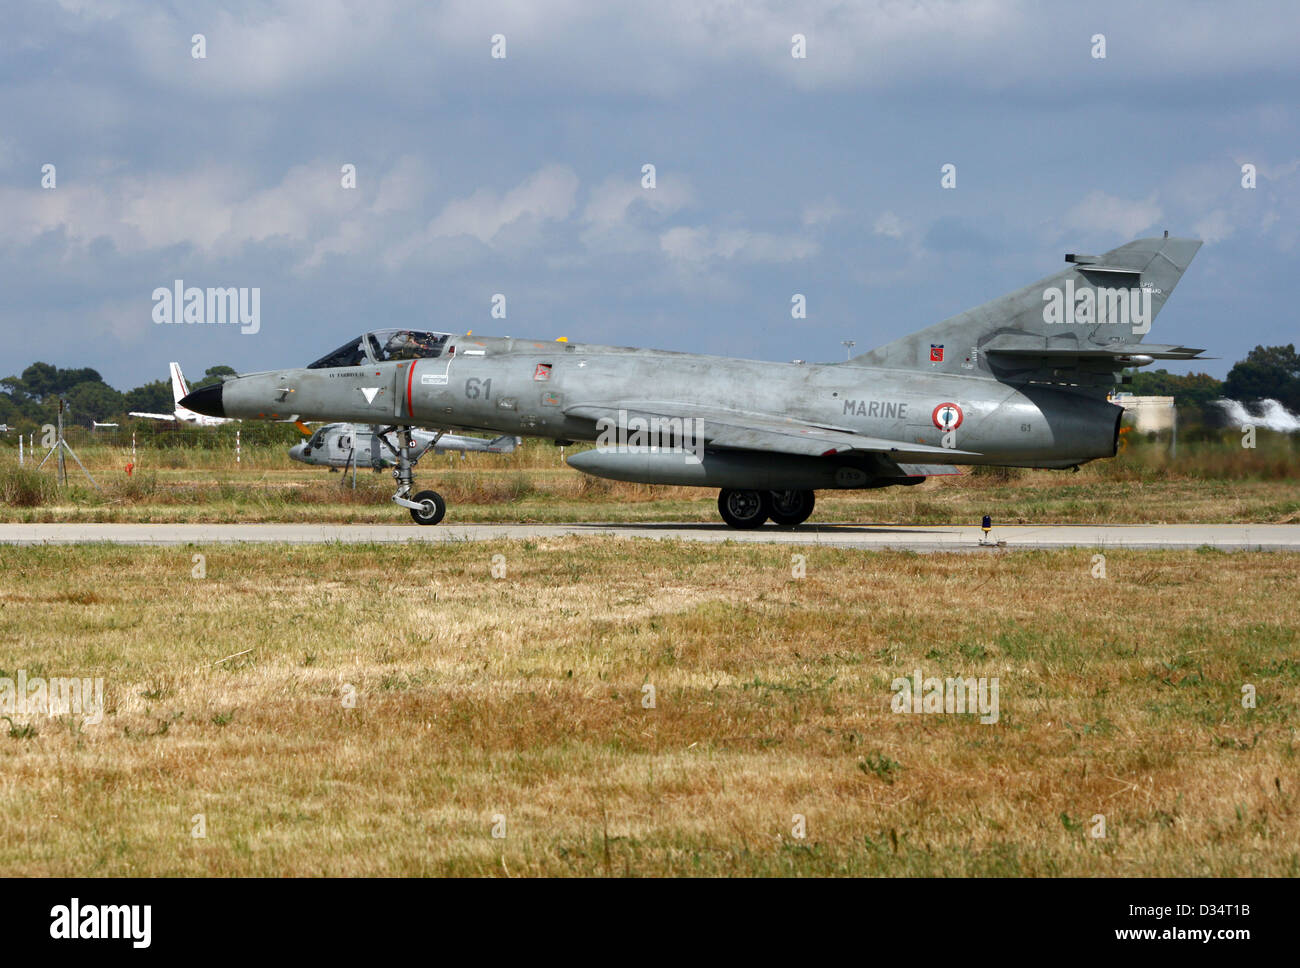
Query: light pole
[848,345]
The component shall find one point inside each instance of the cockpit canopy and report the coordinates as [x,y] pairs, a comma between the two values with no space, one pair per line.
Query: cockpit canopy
[383,345]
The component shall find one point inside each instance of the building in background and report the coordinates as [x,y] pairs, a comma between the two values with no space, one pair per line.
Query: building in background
[1148,413]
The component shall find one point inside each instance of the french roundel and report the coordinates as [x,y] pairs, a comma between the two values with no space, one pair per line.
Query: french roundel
[947,416]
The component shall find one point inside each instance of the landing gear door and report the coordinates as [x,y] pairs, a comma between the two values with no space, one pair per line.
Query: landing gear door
[403,374]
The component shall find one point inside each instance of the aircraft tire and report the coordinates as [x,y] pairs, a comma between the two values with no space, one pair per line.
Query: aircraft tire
[434,508]
[788,508]
[742,508]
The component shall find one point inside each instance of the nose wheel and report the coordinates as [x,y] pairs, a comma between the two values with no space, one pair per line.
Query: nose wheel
[427,507]
[432,508]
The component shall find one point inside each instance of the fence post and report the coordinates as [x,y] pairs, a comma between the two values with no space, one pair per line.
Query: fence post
[237,455]
[63,473]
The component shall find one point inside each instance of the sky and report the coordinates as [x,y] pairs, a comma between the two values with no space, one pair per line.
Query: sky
[522,175]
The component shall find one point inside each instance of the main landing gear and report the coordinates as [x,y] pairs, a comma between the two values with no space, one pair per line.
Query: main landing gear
[749,509]
[426,507]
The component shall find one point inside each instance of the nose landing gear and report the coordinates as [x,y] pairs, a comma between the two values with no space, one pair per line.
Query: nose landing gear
[426,507]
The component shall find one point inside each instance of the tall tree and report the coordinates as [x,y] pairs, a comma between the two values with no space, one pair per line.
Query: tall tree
[155,397]
[214,375]
[67,379]
[1267,372]
[1188,389]
[40,380]
[93,400]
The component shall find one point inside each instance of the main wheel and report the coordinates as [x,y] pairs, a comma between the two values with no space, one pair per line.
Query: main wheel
[434,508]
[743,509]
[790,507]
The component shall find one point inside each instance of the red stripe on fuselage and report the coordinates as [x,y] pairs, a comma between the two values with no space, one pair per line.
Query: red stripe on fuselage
[410,375]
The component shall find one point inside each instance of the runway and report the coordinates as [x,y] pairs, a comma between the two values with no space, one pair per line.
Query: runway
[924,538]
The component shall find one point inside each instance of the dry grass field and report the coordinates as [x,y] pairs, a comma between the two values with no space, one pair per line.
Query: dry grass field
[518,703]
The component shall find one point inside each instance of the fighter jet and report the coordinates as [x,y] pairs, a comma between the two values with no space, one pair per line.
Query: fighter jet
[362,445]
[1020,381]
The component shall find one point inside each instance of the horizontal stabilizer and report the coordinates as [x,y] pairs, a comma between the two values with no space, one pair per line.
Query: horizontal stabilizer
[1029,345]
[1111,270]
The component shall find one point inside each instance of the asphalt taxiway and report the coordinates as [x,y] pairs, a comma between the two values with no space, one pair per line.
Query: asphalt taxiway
[1225,537]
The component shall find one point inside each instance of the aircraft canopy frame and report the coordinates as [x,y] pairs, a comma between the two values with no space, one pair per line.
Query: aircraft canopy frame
[384,345]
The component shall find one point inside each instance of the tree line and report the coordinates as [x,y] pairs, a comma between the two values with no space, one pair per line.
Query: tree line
[1267,373]
[32,398]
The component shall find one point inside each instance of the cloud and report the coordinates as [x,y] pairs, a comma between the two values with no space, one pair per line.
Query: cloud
[289,47]
[229,167]
[1101,214]
[611,202]
[403,187]
[621,217]
[819,213]
[1214,227]
[545,195]
[888,225]
[215,209]
[509,222]
[699,245]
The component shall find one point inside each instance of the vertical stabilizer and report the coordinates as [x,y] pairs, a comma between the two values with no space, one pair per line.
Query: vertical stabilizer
[1098,304]
[179,390]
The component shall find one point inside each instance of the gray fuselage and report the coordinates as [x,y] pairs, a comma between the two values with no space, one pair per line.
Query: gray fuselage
[516,386]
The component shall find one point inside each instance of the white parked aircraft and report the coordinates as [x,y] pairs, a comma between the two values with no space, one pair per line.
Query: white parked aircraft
[183,414]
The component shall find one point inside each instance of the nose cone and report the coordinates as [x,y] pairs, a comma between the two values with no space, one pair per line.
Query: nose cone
[206,401]
[296,452]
